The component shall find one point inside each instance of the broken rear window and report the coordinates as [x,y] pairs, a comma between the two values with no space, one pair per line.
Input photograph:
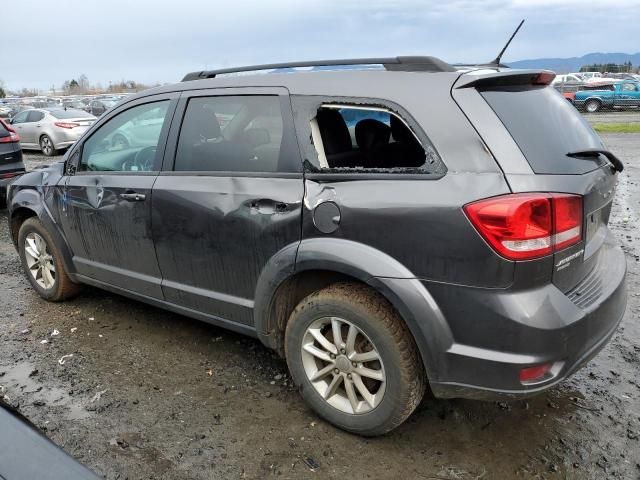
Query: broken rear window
[369,139]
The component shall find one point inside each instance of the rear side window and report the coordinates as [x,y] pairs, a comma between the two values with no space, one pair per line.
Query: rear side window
[35,116]
[232,134]
[546,127]
[365,139]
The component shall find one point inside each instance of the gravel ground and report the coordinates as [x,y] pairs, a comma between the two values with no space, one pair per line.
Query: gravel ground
[615,116]
[152,395]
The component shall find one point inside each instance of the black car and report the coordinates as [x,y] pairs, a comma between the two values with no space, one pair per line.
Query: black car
[382,229]
[26,454]
[11,164]
[98,107]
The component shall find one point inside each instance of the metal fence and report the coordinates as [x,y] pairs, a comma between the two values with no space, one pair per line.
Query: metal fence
[613,106]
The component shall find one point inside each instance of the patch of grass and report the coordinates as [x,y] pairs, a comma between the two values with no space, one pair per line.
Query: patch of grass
[617,127]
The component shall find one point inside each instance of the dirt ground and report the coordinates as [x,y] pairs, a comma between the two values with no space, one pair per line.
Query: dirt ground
[152,395]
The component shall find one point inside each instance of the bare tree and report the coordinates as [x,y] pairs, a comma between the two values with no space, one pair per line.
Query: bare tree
[83,83]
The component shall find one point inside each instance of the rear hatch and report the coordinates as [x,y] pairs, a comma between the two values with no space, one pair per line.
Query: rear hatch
[559,147]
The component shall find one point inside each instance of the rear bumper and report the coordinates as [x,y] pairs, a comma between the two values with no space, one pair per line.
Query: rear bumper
[497,333]
[64,138]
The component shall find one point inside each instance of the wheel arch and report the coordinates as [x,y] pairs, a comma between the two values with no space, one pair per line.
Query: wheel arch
[295,273]
[28,203]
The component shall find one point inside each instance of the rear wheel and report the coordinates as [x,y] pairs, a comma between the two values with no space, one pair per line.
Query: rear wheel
[354,359]
[42,262]
[47,147]
[592,106]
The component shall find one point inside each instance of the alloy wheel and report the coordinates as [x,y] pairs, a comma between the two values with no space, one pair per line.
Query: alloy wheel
[343,365]
[39,260]
[46,145]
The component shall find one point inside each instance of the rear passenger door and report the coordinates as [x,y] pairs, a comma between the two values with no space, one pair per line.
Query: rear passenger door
[229,198]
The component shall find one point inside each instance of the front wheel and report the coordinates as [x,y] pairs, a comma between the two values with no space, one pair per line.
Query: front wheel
[47,146]
[42,262]
[354,359]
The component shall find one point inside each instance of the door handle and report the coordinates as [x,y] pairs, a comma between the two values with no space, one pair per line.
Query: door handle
[267,206]
[133,197]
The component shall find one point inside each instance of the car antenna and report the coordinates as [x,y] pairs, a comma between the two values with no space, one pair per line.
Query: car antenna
[496,62]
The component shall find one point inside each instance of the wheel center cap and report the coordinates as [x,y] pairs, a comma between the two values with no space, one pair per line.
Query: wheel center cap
[342,363]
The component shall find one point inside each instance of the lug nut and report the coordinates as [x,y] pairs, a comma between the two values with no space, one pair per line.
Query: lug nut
[349,376]
[332,356]
[336,371]
[354,364]
[342,350]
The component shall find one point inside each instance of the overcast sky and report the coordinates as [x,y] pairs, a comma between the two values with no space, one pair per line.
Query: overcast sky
[49,41]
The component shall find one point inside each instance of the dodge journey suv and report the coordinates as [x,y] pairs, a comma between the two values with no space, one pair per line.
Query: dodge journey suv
[384,229]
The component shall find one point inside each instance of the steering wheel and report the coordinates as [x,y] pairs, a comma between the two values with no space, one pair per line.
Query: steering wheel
[143,161]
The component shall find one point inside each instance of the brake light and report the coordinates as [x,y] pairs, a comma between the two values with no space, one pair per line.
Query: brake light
[66,124]
[523,226]
[13,135]
[4,176]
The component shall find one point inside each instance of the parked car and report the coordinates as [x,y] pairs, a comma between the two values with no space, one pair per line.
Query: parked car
[5,110]
[51,129]
[11,164]
[26,454]
[75,104]
[17,108]
[568,78]
[623,94]
[98,107]
[457,237]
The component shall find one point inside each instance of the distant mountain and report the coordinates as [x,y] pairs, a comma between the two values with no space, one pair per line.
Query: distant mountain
[566,65]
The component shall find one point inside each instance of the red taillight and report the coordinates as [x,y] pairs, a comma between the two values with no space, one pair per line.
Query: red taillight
[535,373]
[66,125]
[4,176]
[567,219]
[523,226]
[13,135]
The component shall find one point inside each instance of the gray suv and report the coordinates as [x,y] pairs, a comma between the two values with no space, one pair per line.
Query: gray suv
[384,229]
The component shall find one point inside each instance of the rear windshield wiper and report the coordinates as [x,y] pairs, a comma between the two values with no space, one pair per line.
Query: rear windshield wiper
[594,152]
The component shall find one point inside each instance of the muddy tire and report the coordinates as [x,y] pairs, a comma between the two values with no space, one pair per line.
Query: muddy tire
[354,359]
[42,263]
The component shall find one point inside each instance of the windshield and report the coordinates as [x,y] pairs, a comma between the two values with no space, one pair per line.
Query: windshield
[70,113]
[546,127]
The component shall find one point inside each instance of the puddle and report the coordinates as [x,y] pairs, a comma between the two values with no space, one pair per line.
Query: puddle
[21,383]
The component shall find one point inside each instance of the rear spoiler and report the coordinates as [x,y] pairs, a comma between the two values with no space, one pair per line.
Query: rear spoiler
[499,78]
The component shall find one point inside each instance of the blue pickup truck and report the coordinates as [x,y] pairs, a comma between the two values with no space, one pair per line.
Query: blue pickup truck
[620,94]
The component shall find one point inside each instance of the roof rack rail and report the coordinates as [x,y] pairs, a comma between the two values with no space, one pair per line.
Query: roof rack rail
[398,64]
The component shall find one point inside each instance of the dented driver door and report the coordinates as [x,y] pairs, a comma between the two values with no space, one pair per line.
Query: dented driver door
[106,200]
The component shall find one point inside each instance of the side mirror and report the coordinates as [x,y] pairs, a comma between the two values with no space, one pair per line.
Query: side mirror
[71,164]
